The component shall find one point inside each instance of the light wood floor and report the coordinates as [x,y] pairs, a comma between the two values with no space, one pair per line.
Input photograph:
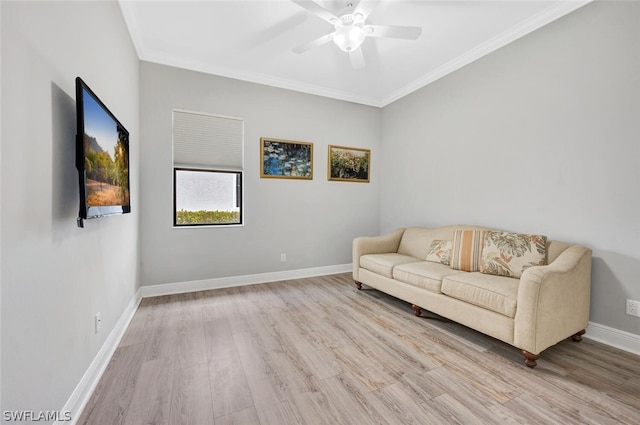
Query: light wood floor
[318,351]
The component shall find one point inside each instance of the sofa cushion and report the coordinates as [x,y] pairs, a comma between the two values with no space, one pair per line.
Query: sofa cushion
[415,242]
[509,254]
[440,252]
[383,264]
[495,293]
[425,274]
[467,250]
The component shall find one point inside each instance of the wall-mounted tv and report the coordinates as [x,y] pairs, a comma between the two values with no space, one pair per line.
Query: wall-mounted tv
[102,157]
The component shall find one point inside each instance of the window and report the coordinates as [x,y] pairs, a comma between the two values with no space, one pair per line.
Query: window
[206,197]
[207,169]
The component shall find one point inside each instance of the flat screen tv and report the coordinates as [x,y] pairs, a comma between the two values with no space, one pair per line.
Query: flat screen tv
[102,157]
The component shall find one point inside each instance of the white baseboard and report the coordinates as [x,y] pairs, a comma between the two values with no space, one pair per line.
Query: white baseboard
[80,396]
[228,282]
[614,337]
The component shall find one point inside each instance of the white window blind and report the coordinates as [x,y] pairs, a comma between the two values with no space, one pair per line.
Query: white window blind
[207,140]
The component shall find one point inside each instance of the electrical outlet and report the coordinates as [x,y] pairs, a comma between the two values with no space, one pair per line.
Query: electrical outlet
[98,322]
[633,308]
[283,258]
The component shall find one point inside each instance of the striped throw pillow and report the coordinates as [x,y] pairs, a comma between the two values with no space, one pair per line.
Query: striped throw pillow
[467,250]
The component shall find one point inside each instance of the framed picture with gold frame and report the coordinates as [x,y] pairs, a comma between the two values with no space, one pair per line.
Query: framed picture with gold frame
[348,164]
[286,159]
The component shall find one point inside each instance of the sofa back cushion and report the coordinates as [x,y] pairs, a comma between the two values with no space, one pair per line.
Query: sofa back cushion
[416,241]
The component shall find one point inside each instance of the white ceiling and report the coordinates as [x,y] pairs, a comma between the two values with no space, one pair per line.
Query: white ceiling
[251,40]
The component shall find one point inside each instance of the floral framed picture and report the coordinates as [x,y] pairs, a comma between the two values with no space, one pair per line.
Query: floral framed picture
[348,164]
[286,159]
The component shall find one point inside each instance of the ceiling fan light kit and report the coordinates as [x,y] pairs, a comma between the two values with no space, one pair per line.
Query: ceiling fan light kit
[348,37]
[350,29]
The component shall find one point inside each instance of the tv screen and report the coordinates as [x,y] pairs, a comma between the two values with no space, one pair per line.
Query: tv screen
[102,157]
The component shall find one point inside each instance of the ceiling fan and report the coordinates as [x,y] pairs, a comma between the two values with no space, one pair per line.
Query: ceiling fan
[350,29]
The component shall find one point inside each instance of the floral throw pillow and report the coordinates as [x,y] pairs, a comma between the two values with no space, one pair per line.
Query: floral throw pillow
[509,254]
[440,252]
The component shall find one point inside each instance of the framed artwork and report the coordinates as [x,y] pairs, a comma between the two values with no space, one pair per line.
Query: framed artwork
[286,159]
[348,164]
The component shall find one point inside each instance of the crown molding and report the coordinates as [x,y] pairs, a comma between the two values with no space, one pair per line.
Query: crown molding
[263,79]
[543,18]
[550,14]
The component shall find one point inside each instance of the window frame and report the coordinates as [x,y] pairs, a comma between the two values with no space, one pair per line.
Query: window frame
[239,197]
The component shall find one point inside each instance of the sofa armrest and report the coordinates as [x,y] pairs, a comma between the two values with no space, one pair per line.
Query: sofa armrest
[553,300]
[374,245]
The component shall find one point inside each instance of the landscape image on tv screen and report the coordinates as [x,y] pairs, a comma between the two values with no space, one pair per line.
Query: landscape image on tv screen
[106,156]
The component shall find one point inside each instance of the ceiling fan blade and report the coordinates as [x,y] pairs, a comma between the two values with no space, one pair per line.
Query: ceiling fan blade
[393,31]
[357,59]
[314,43]
[365,7]
[317,10]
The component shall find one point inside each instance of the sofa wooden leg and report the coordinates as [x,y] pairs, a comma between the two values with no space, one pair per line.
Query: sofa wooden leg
[358,284]
[530,359]
[416,310]
[578,336]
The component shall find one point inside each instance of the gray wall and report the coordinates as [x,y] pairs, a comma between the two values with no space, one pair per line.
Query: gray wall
[540,136]
[55,276]
[312,221]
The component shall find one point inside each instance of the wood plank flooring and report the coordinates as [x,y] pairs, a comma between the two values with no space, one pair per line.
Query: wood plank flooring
[318,351]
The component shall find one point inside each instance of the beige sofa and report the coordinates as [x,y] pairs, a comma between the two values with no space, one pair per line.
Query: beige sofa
[545,305]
